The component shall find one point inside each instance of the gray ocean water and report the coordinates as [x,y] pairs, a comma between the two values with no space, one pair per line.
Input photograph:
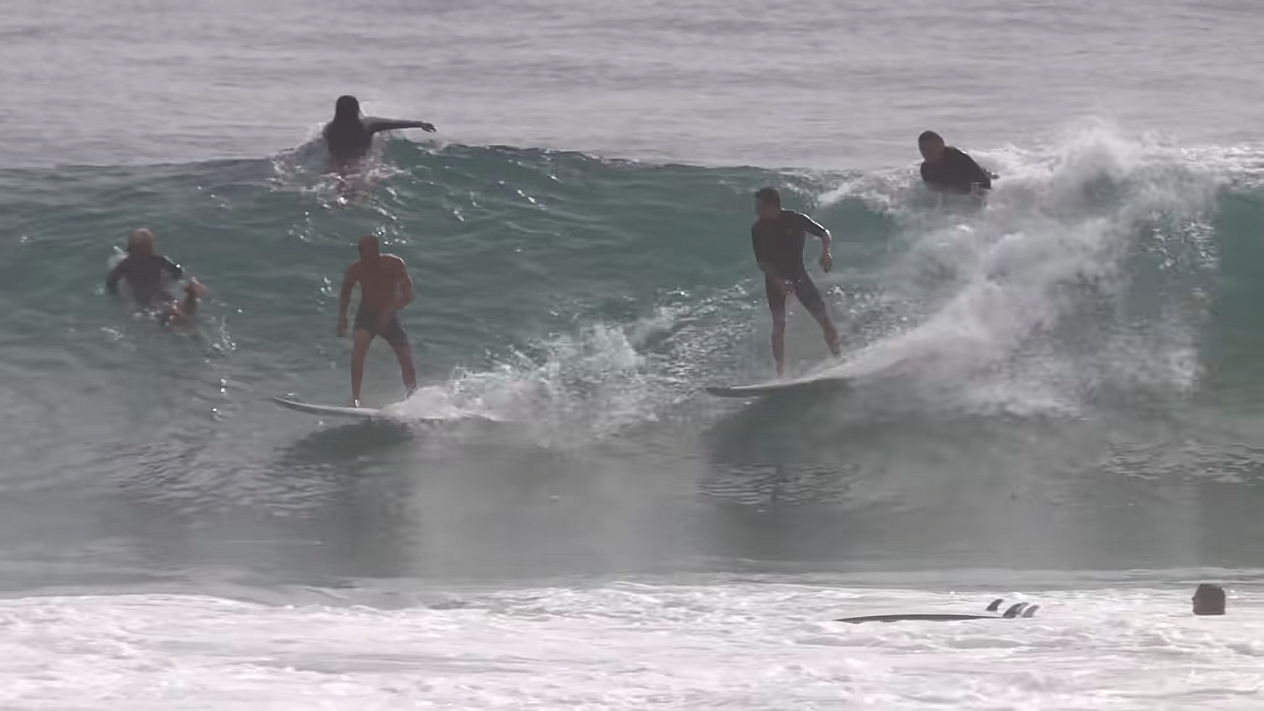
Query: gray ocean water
[1051,392]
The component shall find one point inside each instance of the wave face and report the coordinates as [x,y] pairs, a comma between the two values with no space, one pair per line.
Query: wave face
[1067,376]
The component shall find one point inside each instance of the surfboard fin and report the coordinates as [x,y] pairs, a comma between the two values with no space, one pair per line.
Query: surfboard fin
[1014,610]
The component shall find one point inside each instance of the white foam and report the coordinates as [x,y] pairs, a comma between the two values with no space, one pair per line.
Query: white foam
[576,387]
[632,646]
[1059,235]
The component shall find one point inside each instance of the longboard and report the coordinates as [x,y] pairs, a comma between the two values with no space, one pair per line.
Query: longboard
[814,382]
[363,413]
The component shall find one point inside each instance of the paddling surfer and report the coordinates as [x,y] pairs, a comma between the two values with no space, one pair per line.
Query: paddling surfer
[143,271]
[949,169]
[349,135]
[778,238]
[385,288]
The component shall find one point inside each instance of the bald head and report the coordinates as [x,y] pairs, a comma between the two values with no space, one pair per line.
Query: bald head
[369,247]
[140,241]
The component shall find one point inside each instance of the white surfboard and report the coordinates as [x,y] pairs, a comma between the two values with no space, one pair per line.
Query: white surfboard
[363,413]
[807,382]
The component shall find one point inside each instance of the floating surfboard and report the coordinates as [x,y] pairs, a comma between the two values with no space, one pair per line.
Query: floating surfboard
[363,413]
[812,382]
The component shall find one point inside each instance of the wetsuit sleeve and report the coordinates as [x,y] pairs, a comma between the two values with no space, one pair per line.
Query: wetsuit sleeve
[756,247]
[808,225]
[111,281]
[979,175]
[172,268]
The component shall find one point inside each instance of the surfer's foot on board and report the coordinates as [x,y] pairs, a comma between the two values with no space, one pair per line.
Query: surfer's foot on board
[835,344]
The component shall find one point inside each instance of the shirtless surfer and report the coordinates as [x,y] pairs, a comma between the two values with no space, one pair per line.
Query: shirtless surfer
[385,288]
[778,240]
[143,270]
[349,135]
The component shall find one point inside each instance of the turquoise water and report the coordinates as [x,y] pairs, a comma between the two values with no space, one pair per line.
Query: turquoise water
[1021,372]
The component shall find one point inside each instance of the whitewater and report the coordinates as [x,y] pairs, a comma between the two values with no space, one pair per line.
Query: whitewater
[1054,397]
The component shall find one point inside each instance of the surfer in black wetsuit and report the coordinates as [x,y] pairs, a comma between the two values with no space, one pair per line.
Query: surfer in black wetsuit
[350,135]
[778,240]
[143,271]
[950,170]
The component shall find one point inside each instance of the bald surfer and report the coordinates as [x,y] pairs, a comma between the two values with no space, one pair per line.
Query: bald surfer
[143,270]
[350,134]
[385,288]
[778,238]
[948,169]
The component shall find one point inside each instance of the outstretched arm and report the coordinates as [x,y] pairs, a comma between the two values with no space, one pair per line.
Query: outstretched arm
[377,125]
[344,298]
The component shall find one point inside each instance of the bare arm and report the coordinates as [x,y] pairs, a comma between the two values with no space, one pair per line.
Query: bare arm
[404,292]
[377,125]
[344,298]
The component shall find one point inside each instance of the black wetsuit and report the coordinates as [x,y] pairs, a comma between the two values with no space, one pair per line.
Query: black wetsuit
[348,140]
[779,244]
[143,273]
[955,171]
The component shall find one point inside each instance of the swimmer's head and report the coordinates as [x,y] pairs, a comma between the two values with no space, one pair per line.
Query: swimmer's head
[348,107]
[1209,600]
[767,203]
[931,145]
[369,248]
[140,242]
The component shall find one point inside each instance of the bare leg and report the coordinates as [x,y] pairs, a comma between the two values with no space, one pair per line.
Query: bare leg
[361,349]
[831,334]
[404,353]
[779,341]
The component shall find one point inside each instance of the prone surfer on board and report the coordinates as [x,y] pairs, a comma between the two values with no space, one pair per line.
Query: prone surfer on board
[143,270]
[949,169]
[778,240]
[385,288]
[349,135]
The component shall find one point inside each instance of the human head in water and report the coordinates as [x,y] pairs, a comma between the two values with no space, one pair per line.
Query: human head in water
[141,241]
[347,108]
[369,248]
[767,203]
[932,145]
[1209,600]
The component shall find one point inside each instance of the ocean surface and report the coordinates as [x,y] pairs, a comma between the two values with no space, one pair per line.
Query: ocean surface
[1055,397]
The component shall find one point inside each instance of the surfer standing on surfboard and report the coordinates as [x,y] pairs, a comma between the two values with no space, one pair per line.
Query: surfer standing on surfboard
[385,288]
[349,135]
[778,239]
